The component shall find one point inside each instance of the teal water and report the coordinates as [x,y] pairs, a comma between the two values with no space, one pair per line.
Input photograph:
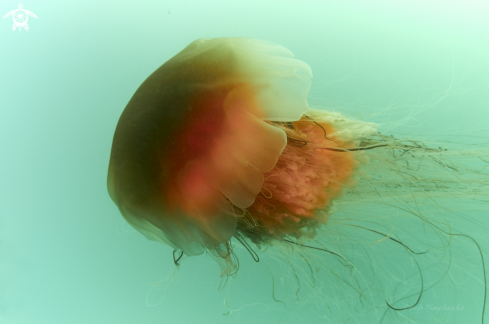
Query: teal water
[67,256]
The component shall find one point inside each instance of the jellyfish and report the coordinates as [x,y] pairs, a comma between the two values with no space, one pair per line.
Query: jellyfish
[220,144]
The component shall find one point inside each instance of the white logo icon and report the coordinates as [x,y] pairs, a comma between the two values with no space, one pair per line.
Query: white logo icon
[20,17]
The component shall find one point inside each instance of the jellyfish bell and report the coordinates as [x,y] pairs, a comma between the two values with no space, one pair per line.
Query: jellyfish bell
[193,145]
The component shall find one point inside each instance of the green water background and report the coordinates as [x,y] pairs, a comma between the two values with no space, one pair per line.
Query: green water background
[66,254]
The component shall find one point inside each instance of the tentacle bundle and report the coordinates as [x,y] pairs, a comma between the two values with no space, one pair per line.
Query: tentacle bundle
[314,168]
